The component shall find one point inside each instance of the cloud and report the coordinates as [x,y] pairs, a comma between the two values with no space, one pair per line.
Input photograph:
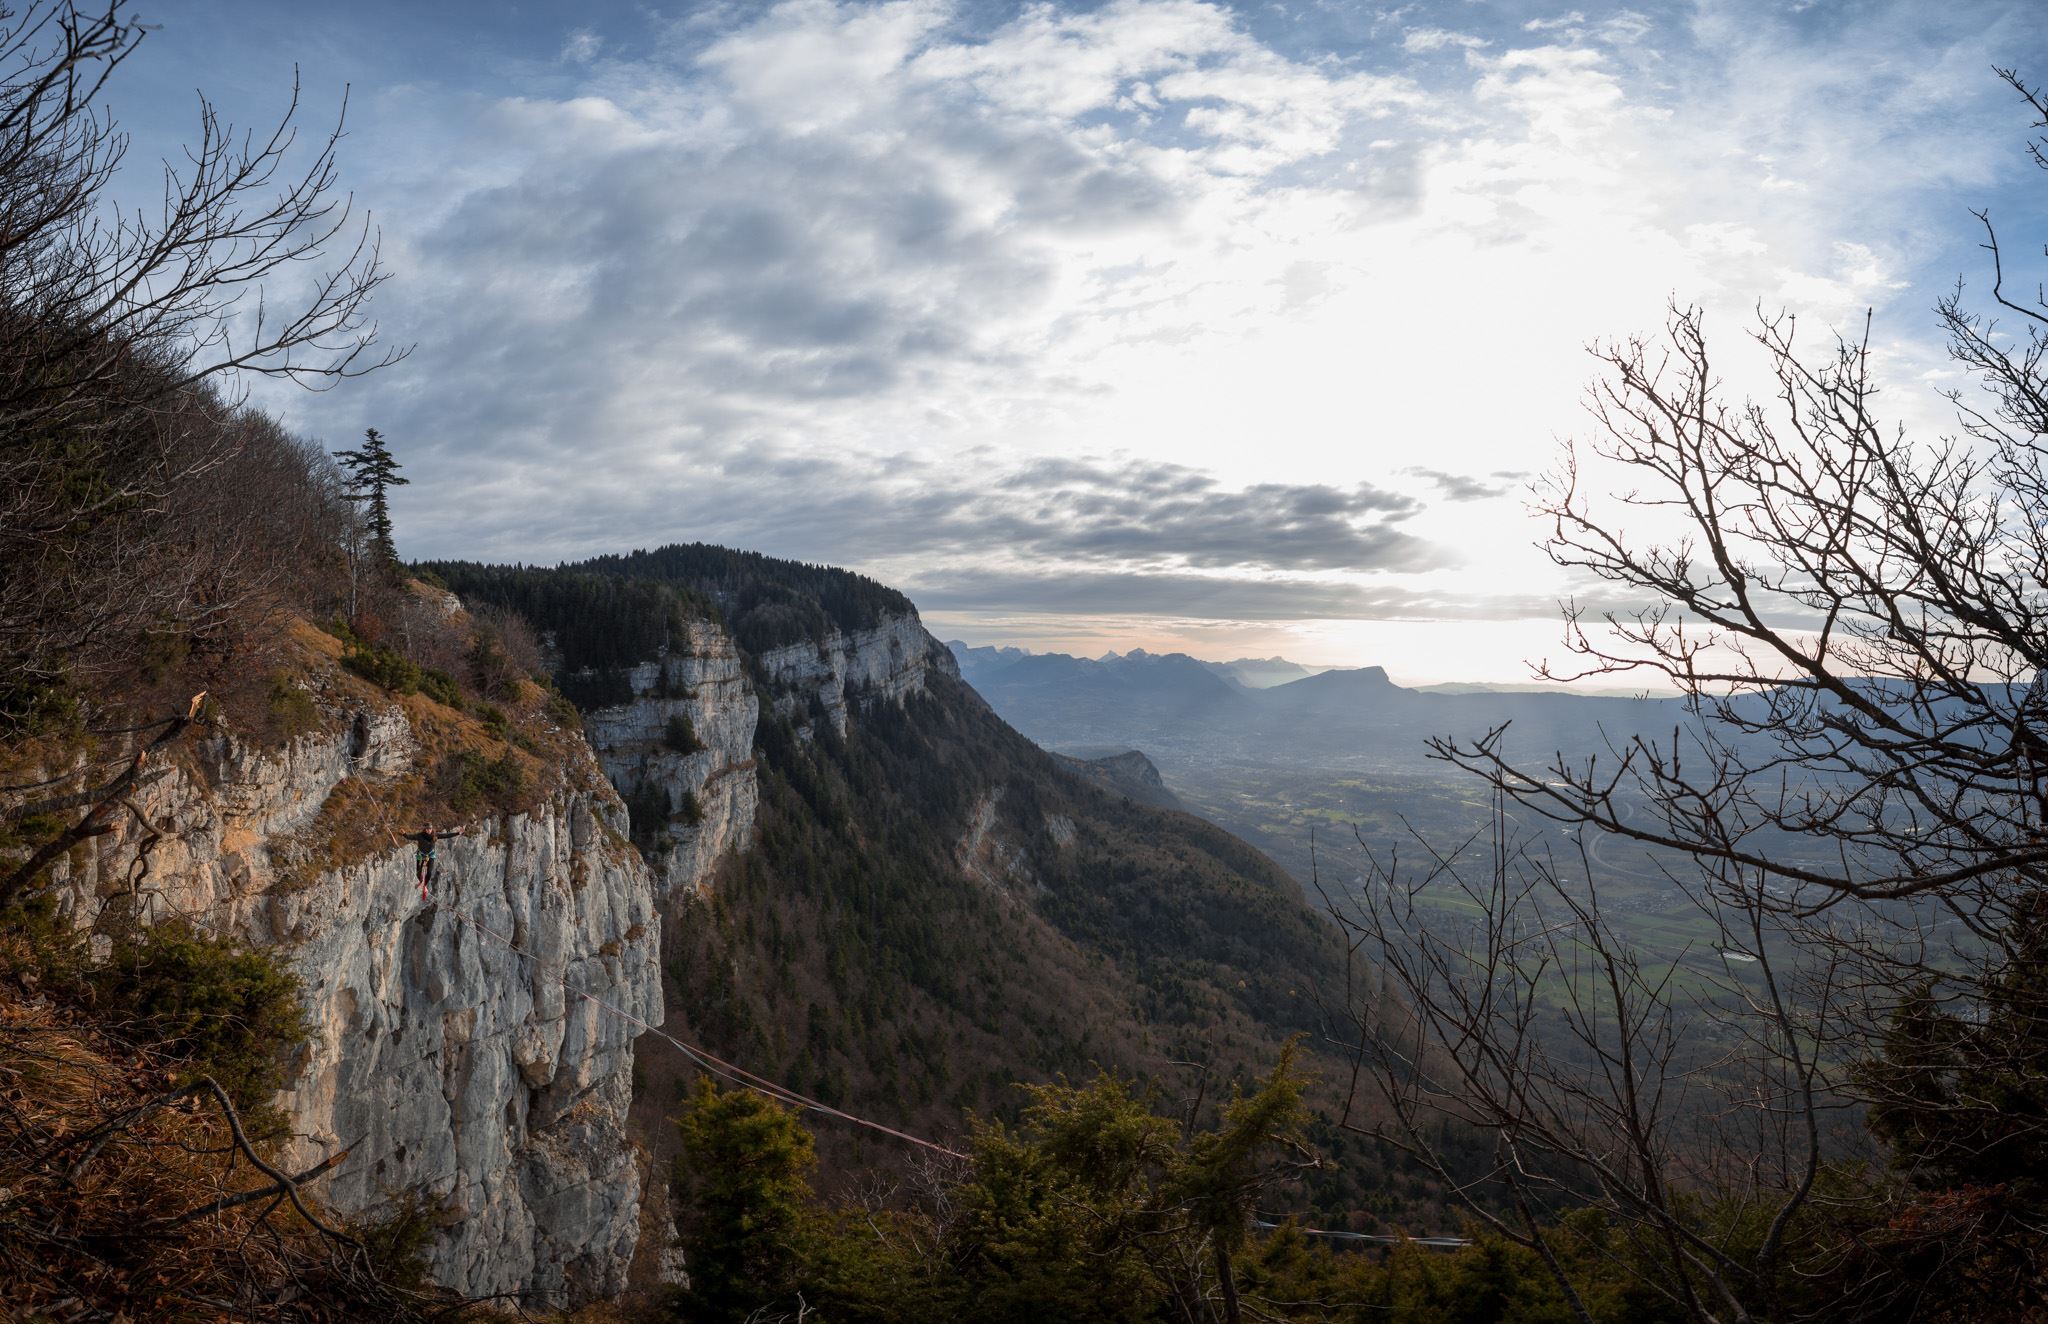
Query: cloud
[1148,513]
[1202,597]
[1625,27]
[795,236]
[1423,40]
[1463,487]
[1144,521]
[1145,298]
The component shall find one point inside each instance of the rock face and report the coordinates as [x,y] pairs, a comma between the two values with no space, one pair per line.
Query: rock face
[986,857]
[705,777]
[459,1049]
[450,1065]
[708,782]
[1129,773]
[886,662]
[708,788]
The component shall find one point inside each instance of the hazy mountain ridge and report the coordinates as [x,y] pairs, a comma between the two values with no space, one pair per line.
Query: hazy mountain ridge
[1343,716]
[1260,673]
[1252,673]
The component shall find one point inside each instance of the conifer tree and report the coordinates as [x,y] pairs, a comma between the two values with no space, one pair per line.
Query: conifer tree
[743,1183]
[372,472]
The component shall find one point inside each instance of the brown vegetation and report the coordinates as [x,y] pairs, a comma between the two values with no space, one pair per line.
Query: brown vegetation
[131,1187]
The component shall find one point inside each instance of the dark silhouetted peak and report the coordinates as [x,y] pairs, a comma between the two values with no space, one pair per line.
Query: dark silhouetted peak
[1350,680]
[1127,772]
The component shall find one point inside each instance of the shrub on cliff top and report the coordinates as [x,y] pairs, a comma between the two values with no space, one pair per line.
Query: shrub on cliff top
[442,688]
[292,710]
[470,782]
[383,666]
[218,1006]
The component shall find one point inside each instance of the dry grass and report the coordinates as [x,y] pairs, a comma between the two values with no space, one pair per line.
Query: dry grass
[363,816]
[107,1169]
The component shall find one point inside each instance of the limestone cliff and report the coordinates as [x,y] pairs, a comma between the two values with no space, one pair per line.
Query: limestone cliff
[448,1065]
[887,661]
[701,771]
[682,752]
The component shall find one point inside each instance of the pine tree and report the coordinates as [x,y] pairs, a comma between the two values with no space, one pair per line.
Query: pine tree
[742,1182]
[372,473]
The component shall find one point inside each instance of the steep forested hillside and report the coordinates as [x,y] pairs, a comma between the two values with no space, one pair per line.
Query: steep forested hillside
[942,907]
[933,909]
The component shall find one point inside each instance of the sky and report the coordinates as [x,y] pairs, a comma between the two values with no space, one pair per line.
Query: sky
[1241,329]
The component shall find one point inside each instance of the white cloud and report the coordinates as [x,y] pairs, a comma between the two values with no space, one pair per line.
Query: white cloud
[1423,40]
[829,257]
[1626,27]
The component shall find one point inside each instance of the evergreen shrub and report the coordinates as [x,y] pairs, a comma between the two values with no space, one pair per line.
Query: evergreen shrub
[681,735]
[218,1006]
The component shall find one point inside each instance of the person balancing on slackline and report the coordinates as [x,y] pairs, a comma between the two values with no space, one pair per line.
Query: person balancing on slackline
[423,842]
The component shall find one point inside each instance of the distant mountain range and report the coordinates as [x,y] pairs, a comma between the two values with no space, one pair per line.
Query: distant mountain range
[1251,673]
[1249,711]
[1531,687]
[1261,673]
[1258,673]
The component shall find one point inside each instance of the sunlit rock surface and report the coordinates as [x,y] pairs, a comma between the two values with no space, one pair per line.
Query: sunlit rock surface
[448,1065]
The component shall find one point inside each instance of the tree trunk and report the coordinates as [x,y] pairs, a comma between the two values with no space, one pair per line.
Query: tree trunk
[1228,1281]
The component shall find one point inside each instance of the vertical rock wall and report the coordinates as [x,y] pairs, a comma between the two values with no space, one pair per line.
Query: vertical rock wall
[449,1065]
[709,790]
[487,1081]
[887,662]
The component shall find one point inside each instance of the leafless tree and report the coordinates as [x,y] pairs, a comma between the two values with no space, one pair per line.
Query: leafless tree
[504,651]
[1854,800]
[1541,1062]
[126,341]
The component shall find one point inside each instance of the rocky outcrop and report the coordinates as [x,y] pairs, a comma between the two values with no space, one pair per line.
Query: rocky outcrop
[1129,773]
[686,742]
[487,1079]
[476,1048]
[889,661]
[984,855]
[683,748]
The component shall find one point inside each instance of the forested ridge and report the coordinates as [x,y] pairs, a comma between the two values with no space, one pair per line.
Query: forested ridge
[855,954]
[611,612]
